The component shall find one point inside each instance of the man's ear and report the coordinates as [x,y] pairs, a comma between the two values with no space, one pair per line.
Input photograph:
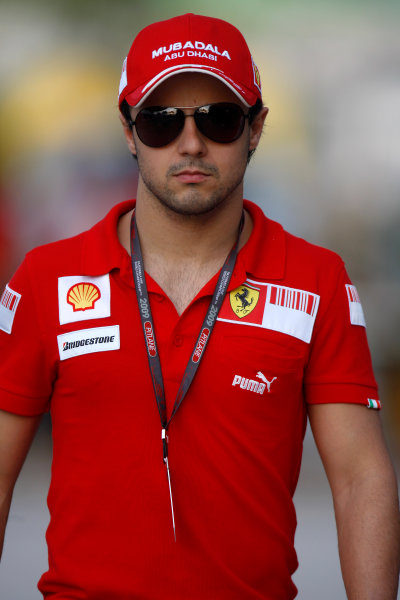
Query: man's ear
[128,134]
[256,127]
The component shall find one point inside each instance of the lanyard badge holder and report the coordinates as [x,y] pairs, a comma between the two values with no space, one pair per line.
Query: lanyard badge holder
[150,338]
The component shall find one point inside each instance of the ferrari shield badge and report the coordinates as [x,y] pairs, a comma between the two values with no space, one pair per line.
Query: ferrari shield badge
[243,300]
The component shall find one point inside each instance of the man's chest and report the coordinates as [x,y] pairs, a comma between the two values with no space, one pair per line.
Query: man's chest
[249,375]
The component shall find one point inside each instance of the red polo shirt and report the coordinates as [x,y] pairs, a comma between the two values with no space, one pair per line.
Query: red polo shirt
[290,332]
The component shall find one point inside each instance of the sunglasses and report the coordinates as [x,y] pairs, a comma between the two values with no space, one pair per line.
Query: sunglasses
[158,126]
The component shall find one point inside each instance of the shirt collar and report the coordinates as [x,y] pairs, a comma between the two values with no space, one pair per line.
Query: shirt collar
[264,255]
[103,252]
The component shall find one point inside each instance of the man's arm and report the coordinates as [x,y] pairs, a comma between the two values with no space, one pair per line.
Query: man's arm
[16,435]
[364,489]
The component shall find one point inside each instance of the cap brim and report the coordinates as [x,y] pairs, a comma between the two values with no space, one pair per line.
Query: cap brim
[137,97]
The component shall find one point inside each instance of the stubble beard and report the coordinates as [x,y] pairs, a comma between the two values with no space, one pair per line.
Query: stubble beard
[194,201]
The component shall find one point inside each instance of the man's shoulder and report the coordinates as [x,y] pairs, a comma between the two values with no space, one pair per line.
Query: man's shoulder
[303,251]
[79,252]
[312,265]
[274,244]
[57,253]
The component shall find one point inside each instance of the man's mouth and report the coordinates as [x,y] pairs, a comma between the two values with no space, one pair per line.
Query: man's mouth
[191,176]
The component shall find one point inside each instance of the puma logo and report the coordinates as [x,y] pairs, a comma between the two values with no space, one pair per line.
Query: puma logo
[252,385]
[265,380]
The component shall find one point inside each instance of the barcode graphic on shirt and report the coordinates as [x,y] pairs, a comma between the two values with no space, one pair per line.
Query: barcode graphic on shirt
[352,293]
[355,307]
[10,299]
[295,299]
[8,306]
[279,308]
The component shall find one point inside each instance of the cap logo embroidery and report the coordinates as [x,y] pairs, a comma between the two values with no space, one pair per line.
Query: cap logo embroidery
[124,79]
[257,76]
[243,300]
[83,296]
[179,50]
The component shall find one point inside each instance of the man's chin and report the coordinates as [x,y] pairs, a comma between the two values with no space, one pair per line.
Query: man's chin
[191,207]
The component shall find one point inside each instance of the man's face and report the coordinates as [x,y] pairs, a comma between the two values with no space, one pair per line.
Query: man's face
[192,175]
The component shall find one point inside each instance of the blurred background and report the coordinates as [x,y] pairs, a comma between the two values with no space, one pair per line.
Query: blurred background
[328,168]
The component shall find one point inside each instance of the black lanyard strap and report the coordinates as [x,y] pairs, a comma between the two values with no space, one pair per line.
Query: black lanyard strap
[150,336]
[149,330]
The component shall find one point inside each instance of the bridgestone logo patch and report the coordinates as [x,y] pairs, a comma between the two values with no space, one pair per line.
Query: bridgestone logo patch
[87,341]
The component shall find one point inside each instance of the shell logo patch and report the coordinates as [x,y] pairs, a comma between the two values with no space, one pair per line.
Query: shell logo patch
[83,296]
[244,300]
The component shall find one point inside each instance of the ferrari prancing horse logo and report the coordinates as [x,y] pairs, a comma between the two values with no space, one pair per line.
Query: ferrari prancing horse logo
[243,300]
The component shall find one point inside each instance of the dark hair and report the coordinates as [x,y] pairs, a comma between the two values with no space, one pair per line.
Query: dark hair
[125,111]
[253,112]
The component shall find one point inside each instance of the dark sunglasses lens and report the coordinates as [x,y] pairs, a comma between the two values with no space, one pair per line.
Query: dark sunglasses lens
[159,126]
[222,122]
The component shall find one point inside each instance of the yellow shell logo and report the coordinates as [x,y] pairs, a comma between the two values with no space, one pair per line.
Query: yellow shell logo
[83,296]
[243,300]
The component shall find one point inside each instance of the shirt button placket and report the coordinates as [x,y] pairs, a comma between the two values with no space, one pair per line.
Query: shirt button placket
[178,341]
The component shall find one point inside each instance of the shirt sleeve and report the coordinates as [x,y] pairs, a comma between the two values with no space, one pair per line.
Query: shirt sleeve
[340,367]
[25,373]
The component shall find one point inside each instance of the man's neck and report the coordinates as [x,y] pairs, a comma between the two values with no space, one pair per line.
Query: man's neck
[177,237]
[182,253]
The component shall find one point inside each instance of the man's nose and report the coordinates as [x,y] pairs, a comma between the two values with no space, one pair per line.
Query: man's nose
[190,140]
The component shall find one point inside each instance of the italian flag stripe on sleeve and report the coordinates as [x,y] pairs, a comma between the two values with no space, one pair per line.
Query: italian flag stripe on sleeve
[374,404]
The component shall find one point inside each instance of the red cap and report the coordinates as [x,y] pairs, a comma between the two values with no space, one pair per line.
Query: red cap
[185,44]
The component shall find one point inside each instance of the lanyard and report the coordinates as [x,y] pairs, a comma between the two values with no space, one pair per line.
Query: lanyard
[150,337]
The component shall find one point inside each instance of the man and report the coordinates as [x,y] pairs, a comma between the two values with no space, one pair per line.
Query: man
[180,345]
